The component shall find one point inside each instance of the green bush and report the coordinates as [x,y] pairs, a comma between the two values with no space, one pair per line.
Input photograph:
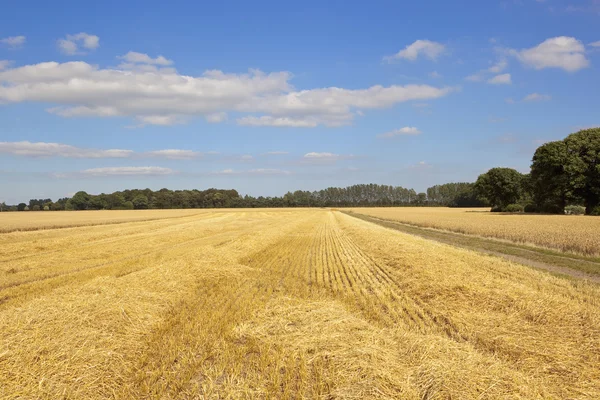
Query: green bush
[514,208]
[530,208]
[574,210]
[595,211]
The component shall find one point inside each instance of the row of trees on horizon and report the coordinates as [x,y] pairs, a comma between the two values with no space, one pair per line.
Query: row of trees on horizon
[563,174]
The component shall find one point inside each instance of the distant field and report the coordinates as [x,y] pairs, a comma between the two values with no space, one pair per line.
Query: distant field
[569,233]
[35,220]
[291,303]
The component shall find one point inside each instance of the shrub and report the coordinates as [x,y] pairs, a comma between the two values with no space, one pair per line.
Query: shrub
[36,208]
[514,208]
[46,208]
[595,211]
[574,210]
[496,209]
[530,208]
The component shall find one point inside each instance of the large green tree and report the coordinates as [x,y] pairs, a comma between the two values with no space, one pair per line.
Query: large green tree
[500,187]
[550,185]
[583,166]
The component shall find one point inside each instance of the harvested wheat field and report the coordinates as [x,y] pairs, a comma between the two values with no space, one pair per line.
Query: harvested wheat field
[248,304]
[568,233]
[33,221]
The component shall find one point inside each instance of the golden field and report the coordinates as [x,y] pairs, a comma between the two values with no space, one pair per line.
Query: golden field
[247,304]
[567,233]
[36,220]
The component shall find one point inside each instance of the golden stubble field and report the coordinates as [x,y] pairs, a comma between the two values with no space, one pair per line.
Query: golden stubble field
[284,304]
[569,233]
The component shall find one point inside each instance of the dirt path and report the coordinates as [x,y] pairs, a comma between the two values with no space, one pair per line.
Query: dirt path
[553,262]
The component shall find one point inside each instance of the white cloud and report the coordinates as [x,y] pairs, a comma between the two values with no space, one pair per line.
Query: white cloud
[407,130]
[42,149]
[278,122]
[174,154]
[128,171]
[509,100]
[537,97]
[77,89]
[494,69]
[595,44]
[164,120]
[427,48]
[562,52]
[14,42]
[321,156]
[133,57]
[435,75]
[503,79]
[72,44]
[276,153]
[258,171]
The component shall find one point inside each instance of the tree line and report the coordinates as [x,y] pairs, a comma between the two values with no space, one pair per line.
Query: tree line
[452,194]
[565,175]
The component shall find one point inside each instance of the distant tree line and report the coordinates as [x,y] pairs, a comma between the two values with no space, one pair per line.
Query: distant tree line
[357,195]
[565,176]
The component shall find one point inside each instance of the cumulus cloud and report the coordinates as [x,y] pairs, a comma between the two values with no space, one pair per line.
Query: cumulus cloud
[562,52]
[503,79]
[174,154]
[14,42]
[128,171]
[407,130]
[78,89]
[537,97]
[42,149]
[73,44]
[426,48]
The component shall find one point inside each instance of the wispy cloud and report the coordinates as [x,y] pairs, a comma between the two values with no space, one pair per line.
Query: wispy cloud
[407,130]
[503,79]
[73,44]
[256,171]
[425,48]
[14,42]
[42,149]
[128,171]
[174,154]
[537,97]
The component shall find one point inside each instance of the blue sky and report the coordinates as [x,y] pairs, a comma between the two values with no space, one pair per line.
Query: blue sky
[271,96]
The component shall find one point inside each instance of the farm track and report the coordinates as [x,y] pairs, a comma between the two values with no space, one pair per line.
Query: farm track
[298,304]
